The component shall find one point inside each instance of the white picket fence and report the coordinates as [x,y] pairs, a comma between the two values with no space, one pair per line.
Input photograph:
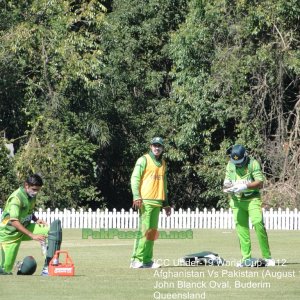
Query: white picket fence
[281,219]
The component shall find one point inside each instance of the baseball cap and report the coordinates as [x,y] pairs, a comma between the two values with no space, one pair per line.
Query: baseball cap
[157,140]
[238,154]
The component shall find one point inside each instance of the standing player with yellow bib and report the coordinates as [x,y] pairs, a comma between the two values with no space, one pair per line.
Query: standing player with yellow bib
[149,189]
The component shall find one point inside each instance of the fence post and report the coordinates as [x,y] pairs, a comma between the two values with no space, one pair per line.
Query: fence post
[113,219]
[81,218]
[176,219]
[102,221]
[109,219]
[275,220]
[271,214]
[266,218]
[205,218]
[296,219]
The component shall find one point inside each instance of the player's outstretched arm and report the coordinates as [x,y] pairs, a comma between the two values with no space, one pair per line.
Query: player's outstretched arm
[21,228]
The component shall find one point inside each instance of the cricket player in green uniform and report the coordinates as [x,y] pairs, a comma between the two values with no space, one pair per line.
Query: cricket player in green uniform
[243,181]
[16,225]
[149,189]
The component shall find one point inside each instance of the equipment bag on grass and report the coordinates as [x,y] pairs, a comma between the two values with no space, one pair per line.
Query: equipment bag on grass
[203,258]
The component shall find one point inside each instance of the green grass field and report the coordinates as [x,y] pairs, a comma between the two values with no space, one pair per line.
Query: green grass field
[102,270]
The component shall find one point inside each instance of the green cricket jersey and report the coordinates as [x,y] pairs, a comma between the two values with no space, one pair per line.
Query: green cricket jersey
[19,206]
[137,174]
[249,173]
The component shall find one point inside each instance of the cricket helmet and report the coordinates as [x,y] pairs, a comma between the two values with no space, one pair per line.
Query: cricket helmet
[27,266]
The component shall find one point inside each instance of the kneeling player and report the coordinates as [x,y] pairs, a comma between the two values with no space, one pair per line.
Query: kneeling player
[16,225]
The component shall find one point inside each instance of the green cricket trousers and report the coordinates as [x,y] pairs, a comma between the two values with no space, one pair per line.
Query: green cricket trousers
[242,211]
[9,249]
[148,224]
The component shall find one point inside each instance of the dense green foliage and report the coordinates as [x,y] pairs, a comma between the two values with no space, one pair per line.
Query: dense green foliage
[8,178]
[85,84]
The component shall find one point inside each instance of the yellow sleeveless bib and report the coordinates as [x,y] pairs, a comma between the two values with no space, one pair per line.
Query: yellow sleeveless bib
[152,181]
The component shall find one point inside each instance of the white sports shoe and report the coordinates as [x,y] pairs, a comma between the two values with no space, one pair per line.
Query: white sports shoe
[270,262]
[248,262]
[45,271]
[239,265]
[151,265]
[135,264]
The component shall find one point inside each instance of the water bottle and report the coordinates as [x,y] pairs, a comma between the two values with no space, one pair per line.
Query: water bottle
[44,248]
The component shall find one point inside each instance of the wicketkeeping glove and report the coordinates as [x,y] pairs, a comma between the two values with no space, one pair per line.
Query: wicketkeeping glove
[227,184]
[239,187]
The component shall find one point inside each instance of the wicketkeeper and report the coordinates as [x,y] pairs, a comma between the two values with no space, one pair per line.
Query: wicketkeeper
[243,181]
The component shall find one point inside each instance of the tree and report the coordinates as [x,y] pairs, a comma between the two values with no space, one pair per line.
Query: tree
[203,74]
[136,80]
[52,55]
[8,178]
[233,83]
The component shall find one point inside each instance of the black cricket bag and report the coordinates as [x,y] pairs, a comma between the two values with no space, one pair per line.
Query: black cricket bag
[203,258]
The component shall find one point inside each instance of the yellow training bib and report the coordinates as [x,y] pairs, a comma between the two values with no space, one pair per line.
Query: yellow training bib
[152,181]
